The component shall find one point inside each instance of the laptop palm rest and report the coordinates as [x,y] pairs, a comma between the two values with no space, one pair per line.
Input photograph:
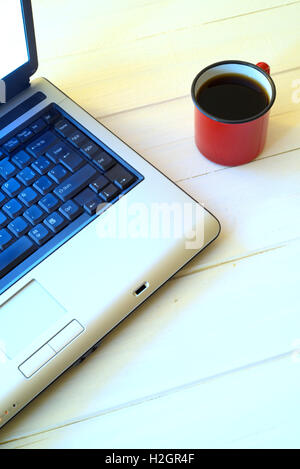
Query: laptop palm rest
[25,316]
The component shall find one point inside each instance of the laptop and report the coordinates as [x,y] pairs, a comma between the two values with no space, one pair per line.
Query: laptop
[88,228]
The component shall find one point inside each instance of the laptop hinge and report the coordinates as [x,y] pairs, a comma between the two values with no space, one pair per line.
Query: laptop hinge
[14,87]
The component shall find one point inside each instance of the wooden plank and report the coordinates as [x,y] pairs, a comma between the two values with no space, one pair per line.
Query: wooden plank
[197,327]
[136,19]
[254,409]
[114,73]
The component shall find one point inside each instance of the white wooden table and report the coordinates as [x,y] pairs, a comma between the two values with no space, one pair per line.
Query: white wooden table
[212,359]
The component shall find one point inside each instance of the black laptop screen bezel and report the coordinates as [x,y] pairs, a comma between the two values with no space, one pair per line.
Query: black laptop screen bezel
[18,80]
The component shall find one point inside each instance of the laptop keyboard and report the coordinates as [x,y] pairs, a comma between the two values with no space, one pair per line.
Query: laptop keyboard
[55,178]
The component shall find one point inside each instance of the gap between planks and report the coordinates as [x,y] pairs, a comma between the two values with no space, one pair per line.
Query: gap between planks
[251,13]
[231,260]
[229,167]
[145,399]
[219,20]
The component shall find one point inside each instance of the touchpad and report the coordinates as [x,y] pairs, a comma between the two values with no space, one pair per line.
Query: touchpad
[25,316]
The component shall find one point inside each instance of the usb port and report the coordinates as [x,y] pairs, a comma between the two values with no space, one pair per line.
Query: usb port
[142,288]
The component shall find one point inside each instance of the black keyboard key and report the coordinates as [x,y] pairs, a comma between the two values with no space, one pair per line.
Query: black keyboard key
[5,239]
[71,210]
[38,126]
[90,149]
[64,128]
[21,159]
[41,144]
[44,185]
[27,176]
[51,116]
[41,165]
[72,161]
[13,208]
[58,174]
[25,135]
[7,170]
[121,177]
[28,197]
[11,145]
[57,152]
[92,206]
[103,161]
[34,215]
[77,139]
[12,187]
[40,234]
[75,183]
[49,203]
[15,254]
[109,193]
[55,222]
[18,227]
[99,184]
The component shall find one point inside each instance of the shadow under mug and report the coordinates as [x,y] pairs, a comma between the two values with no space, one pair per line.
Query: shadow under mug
[232,142]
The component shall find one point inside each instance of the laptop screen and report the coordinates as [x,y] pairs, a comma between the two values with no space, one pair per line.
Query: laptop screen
[13,44]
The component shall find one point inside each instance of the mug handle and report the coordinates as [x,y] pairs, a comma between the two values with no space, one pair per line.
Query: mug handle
[264,66]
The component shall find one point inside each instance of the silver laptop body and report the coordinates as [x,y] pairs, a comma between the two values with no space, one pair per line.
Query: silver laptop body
[58,303]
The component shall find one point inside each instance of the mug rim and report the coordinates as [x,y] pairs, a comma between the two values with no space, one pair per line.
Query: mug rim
[234,121]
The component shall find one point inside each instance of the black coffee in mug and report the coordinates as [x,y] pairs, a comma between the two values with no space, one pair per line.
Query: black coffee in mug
[233,97]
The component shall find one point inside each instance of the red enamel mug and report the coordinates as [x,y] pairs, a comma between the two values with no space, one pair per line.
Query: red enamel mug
[232,142]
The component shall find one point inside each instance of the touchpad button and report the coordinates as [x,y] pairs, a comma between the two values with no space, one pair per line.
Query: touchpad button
[66,336]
